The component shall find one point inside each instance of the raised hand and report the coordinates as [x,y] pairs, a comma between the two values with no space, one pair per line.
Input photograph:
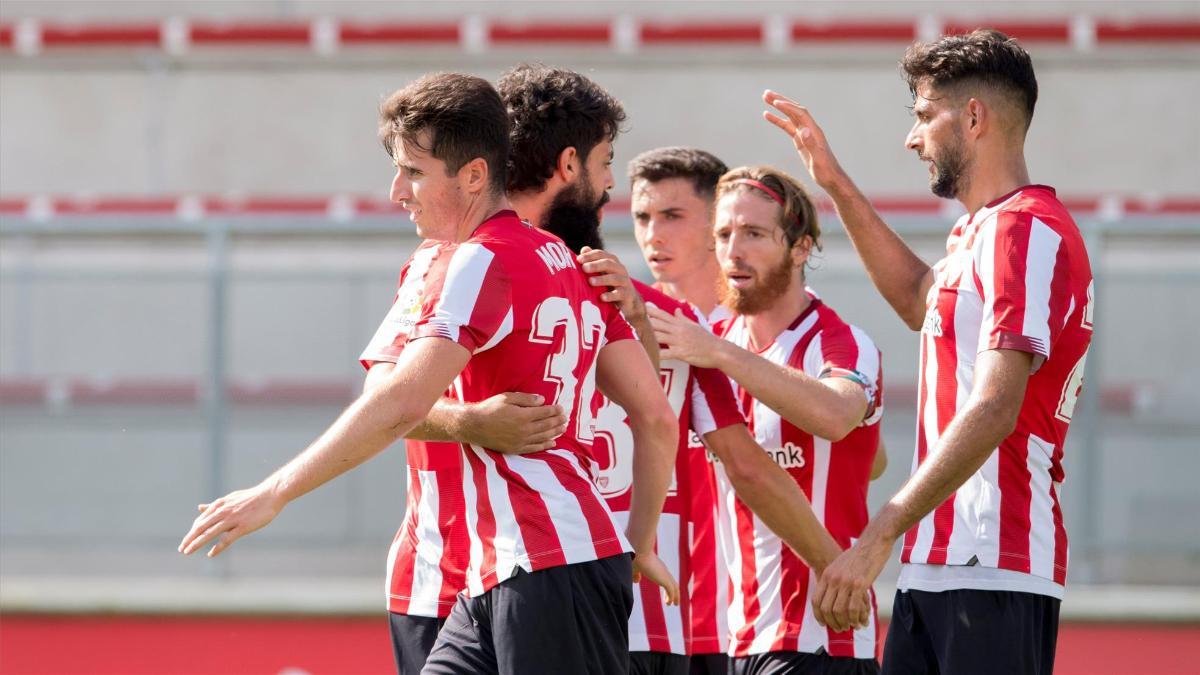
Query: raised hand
[795,121]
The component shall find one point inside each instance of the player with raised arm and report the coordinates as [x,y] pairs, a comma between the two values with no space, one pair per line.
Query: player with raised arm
[1005,322]
[505,310]
[810,386]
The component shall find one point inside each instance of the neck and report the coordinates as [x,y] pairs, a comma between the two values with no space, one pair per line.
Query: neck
[532,205]
[480,210]
[993,179]
[765,326]
[698,288]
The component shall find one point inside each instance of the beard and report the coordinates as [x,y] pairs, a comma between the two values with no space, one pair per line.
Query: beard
[950,169]
[759,297]
[574,216]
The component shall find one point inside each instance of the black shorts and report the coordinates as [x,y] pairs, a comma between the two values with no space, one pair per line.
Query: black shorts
[966,631]
[566,619]
[709,664]
[802,663]
[657,663]
[412,640]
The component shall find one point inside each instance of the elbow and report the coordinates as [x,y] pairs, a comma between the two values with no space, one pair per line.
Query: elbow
[999,414]
[838,426]
[914,317]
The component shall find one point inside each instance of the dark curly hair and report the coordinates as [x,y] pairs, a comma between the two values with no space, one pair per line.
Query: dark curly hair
[983,56]
[550,110]
[464,116]
[704,169]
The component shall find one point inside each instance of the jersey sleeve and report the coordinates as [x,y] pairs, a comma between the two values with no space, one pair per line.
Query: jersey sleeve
[847,352]
[615,325]
[468,299]
[1020,270]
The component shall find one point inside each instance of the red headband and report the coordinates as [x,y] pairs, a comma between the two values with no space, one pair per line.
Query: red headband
[758,184]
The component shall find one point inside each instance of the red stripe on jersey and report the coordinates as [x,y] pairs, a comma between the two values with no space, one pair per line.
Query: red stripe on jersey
[793,581]
[946,402]
[402,575]
[1060,540]
[600,524]
[700,565]
[537,528]
[1009,259]
[1060,304]
[654,616]
[485,527]
[1015,498]
[456,544]
[910,537]
[750,606]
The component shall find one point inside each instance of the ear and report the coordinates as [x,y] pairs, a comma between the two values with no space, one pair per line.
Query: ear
[976,117]
[474,176]
[567,166]
[801,250]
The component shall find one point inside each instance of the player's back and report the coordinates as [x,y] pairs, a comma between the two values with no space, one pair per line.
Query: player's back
[514,296]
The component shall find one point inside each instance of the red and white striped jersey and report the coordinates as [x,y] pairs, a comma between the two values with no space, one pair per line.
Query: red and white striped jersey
[427,561]
[771,606]
[514,297]
[703,401]
[1016,276]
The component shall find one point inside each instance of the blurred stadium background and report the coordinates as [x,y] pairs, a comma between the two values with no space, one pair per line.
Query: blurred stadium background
[195,243]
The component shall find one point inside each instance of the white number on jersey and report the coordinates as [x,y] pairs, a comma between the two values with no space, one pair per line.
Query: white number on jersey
[560,368]
[617,476]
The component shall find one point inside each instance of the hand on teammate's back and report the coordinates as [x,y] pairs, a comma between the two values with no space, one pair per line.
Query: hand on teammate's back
[230,518]
[605,269]
[808,138]
[653,568]
[514,423]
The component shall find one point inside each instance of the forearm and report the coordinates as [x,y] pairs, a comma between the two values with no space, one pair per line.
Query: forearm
[645,332]
[773,496]
[899,275]
[367,427]
[803,401]
[655,446]
[448,420]
[967,443]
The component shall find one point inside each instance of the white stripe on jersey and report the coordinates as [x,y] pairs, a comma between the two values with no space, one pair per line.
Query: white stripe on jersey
[1039,273]
[1041,508]
[427,577]
[464,279]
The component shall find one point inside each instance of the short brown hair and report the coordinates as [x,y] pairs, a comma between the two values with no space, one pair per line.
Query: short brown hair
[552,109]
[799,216]
[983,56]
[464,115]
[704,169]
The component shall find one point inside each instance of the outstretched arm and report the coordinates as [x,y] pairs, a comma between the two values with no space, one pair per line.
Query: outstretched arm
[827,407]
[901,277]
[378,418]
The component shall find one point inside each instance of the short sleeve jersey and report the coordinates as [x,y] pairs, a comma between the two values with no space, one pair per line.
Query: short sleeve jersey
[771,606]
[513,296]
[427,561]
[703,401]
[1016,276]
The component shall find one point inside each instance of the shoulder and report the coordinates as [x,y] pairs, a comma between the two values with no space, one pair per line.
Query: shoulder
[653,296]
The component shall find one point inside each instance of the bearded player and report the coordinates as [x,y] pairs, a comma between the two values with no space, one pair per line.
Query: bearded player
[1005,322]
[506,309]
[810,386]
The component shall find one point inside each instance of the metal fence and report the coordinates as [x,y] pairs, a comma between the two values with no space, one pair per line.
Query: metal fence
[148,363]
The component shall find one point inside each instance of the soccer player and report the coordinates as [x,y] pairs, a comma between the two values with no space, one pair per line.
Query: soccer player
[809,384]
[559,180]
[506,309]
[1005,322]
[674,195]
